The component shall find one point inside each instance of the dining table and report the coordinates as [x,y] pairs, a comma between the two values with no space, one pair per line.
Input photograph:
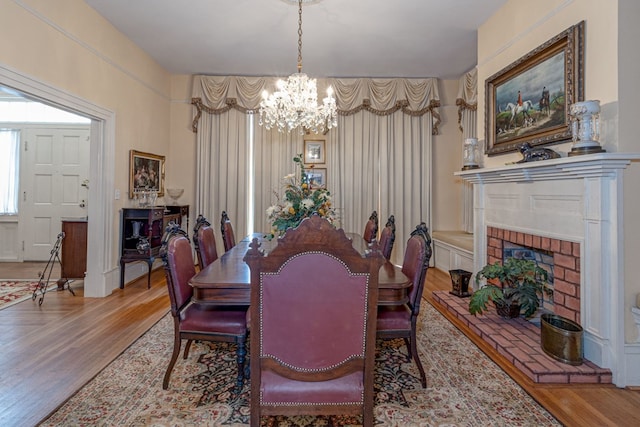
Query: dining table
[227,280]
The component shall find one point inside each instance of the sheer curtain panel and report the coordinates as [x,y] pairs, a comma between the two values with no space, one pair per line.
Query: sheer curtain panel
[9,171]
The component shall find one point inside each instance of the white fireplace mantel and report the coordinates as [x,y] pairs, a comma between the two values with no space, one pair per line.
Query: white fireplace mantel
[593,165]
[576,199]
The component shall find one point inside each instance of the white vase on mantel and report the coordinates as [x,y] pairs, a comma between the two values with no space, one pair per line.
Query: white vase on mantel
[585,127]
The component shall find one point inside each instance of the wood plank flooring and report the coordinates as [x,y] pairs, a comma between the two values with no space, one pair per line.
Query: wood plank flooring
[48,352]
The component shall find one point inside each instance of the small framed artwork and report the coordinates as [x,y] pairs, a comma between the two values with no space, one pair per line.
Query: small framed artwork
[146,172]
[528,101]
[317,177]
[314,151]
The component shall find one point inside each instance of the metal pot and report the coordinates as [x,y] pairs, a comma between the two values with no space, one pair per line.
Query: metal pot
[561,339]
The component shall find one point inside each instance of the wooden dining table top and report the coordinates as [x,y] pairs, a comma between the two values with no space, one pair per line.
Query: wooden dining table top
[227,280]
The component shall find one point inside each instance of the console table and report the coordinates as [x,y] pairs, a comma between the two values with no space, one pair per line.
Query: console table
[141,233]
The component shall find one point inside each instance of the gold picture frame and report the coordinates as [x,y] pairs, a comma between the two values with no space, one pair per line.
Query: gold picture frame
[146,172]
[528,101]
[314,151]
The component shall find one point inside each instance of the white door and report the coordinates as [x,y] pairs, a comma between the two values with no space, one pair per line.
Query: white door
[53,167]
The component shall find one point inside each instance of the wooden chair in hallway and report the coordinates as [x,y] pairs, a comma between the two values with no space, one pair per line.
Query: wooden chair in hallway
[388,237]
[371,228]
[226,228]
[313,310]
[195,321]
[401,321]
[204,241]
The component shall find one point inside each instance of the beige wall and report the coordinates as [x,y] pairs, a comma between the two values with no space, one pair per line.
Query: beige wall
[611,73]
[447,155]
[66,45]
[181,162]
[629,112]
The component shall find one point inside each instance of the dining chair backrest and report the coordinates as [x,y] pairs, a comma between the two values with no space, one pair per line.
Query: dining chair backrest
[204,241]
[388,237]
[371,228]
[313,315]
[416,262]
[226,229]
[177,257]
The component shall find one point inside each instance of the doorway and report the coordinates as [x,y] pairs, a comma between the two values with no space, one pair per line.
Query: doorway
[102,274]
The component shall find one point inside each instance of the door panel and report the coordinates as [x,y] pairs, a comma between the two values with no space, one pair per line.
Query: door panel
[54,165]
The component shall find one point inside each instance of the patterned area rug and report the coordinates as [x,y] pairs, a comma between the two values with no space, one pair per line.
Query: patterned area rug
[464,387]
[13,292]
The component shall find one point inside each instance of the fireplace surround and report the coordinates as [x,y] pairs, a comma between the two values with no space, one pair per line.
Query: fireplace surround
[575,202]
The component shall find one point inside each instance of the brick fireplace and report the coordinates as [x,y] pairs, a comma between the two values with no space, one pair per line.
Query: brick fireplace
[572,207]
[566,265]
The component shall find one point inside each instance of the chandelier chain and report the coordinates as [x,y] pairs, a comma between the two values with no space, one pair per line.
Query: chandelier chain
[295,102]
[299,36]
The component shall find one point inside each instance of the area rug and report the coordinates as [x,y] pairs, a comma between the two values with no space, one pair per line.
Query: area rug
[13,292]
[465,388]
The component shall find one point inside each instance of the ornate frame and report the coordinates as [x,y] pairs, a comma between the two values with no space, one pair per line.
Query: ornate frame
[154,166]
[558,65]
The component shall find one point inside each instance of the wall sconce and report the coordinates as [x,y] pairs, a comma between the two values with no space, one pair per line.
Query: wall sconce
[585,128]
[470,154]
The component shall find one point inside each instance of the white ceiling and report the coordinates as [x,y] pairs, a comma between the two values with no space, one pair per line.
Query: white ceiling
[341,38]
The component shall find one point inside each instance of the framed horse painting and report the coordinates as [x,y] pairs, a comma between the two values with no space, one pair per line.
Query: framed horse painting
[528,101]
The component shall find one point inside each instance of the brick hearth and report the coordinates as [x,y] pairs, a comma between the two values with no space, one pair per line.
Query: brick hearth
[518,340]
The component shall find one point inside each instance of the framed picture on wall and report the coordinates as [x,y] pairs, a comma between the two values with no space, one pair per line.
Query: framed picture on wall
[317,177]
[146,172]
[528,101]
[314,151]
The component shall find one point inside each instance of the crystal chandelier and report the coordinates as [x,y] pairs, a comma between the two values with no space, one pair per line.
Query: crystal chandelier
[295,103]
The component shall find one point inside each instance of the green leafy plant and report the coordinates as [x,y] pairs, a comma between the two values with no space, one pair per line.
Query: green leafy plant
[301,199]
[515,282]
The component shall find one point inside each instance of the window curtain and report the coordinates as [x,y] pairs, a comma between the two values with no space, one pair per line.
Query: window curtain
[378,157]
[9,171]
[467,102]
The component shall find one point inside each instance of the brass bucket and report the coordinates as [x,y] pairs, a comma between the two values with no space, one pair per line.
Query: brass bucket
[561,339]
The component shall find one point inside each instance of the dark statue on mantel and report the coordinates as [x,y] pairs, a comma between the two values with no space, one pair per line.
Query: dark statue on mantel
[532,154]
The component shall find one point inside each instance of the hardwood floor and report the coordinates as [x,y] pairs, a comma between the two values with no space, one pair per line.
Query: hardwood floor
[50,351]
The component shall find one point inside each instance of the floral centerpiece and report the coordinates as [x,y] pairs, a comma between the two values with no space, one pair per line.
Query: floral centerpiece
[301,200]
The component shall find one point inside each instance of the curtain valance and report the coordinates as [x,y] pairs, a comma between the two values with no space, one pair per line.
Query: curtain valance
[467,98]
[415,97]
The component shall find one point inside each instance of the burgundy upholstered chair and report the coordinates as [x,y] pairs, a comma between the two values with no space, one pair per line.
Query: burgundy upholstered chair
[226,228]
[313,308]
[194,321]
[388,237]
[400,322]
[205,242]
[371,228]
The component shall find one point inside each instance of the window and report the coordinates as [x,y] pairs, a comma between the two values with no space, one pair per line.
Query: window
[9,170]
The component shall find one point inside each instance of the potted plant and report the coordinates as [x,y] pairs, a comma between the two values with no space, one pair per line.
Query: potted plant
[514,286]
